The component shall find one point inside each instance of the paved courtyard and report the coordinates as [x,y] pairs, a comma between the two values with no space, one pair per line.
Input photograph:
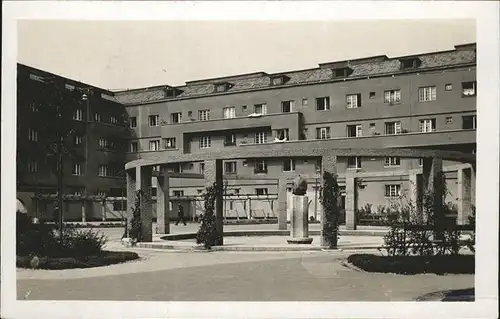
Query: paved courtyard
[226,276]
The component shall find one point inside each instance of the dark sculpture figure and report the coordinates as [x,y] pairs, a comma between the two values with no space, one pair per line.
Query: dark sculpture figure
[299,186]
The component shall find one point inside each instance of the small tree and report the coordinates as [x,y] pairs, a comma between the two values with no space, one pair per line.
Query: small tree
[329,197]
[207,234]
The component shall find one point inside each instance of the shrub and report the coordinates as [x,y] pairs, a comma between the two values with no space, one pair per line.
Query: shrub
[409,265]
[82,242]
[329,197]
[207,233]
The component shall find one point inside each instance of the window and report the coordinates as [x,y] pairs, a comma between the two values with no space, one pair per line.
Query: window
[449,120]
[101,194]
[372,95]
[230,167]
[204,115]
[354,130]
[287,106]
[372,126]
[260,166]
[169,142]
[119,205]
[134,147]
[32,166]
[260,109]
[229,112]
[261,191]
[289,165]
[97,117]
[392,161]
[322,133]
[154,145]
[420,162]
[154,120]
[304,102]
[103,170]
[230,139]
[243,107]
[353,101]
[78,140]
[317,166]
[353,162]
[178,193]
[392,190]
[392,128]
[277,81]
[33,135]
[448,87]
[133,121]
[283,134]
[392,97]
[205,141]
[103,143]
[426,126]
[260,137]
[77,169]
[78,115]
[176,118]
[469,122]
[426,94]
[322,103]
[113,120]
[202,168]
[468,89]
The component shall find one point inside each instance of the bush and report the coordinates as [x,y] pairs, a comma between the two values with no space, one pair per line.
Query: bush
[104,258]
[409,265]
[82,242]
[207,233]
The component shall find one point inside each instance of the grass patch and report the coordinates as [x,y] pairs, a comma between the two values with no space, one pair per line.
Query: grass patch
[104,258]
[410,265]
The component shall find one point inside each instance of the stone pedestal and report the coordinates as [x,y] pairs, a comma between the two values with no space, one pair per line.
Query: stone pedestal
[299,229]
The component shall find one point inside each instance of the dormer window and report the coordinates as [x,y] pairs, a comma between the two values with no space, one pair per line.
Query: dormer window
[341,72]
[279,79]
[222,87]
[410,63]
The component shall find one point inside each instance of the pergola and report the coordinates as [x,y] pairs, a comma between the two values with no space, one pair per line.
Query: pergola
[140,172]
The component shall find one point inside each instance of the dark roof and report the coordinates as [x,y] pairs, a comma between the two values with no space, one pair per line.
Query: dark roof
[379,65]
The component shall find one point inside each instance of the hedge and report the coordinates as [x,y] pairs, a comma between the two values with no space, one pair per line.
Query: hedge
[410,265]
[105,258]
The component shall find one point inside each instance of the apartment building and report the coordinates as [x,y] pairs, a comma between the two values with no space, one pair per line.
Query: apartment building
[423,101]
[420,101]
[98,143]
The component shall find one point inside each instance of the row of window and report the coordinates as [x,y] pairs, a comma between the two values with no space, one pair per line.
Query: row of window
[425,94]
[78,114]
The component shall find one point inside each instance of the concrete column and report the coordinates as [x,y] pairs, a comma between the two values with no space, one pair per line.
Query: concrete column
[131,193]
[415,192]
[213,174]
[83,212]
[282,199]
[473,184]
[432,180]
[350,202]
[143,176]
[464,194]
[163,202]
[103,210]
[328,164]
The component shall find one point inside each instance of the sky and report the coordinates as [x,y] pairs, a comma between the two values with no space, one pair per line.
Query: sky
[120,55]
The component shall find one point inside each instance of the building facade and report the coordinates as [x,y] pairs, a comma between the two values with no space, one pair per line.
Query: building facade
[420,101]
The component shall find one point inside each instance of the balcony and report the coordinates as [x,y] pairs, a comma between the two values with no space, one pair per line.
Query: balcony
[276,121]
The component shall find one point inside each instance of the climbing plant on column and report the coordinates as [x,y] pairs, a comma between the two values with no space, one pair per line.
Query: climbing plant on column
[207,234]
[134,230]
[329,197]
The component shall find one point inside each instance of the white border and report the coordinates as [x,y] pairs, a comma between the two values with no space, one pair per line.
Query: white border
[487,190]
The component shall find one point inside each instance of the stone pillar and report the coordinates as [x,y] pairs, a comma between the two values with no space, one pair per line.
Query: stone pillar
[213,174]
[131,193]
[350,201]
[83,212]
[464,192]
[282,199]
[299,222]
[415,193]
[103,210]
[328,164]
[432,180]
[163,202]
[144,176]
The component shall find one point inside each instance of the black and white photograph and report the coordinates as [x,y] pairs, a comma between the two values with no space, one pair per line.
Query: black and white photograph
[252,155]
